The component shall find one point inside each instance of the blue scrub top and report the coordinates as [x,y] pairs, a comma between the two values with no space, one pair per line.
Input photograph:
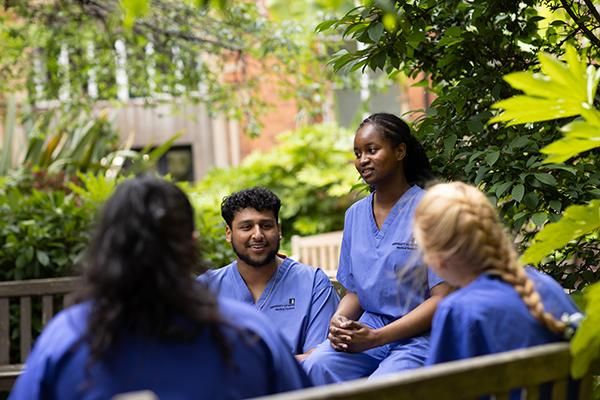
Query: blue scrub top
[383,266]
[488,316]
[260,362]
[299,300]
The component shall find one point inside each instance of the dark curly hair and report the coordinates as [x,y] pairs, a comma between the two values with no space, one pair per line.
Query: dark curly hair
[417,168]
[259,198]
[138,275]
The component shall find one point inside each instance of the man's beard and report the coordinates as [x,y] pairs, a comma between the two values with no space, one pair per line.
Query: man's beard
[267,259]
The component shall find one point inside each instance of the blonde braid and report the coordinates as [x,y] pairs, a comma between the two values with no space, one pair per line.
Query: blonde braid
[457,219]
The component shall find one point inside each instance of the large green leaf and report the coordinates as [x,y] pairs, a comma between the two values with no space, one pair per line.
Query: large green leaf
[585,346]
[523,109]
[562,89]
[579,136]
[576,222]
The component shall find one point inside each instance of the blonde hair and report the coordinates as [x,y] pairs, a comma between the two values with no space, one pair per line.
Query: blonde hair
[457,220]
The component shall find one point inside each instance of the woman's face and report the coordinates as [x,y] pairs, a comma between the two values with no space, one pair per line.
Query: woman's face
[376,159]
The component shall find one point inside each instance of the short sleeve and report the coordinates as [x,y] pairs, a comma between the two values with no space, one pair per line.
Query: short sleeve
[324,302]
[432,278]
[344,274]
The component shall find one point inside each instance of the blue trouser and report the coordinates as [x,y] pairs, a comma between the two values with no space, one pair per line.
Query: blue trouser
[326,365]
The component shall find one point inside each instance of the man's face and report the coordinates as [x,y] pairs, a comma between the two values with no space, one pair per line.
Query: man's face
[254,236]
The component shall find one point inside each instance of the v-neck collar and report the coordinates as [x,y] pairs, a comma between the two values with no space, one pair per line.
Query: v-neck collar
[269,289]
[389,220]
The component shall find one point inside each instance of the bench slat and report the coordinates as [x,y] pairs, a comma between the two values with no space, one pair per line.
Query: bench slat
[559,389]
[38,287]
[25,327]
[8,376]
[473,377]
[47,309]
[533,392]
[4,331]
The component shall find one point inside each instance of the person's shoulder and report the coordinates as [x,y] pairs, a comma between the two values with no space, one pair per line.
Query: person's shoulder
[64,330]
[300,271]
[360,205]
[73,318]
[215,274]
[484,293]
[413,195]
[554,297]
[542,279]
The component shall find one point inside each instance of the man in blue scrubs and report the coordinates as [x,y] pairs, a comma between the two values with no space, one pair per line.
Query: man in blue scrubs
[297,298]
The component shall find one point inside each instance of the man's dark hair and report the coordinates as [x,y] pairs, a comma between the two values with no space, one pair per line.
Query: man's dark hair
[259,198]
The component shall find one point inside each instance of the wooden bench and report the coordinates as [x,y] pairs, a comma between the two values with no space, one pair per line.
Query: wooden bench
[492,375]
[322,250]
[45,295]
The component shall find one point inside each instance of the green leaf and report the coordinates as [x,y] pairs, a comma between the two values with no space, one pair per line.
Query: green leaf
[560,73]
[375,31]
[556,205]
[323,26]
[42,257]
[539,218]
[579,136]
[451,36]
[546,178]
[503,187]
[519,142]
[523,109]
[517,192]
[534,84]
[585,346]
[449,143]
[134,9]
[492,157]
[575,222]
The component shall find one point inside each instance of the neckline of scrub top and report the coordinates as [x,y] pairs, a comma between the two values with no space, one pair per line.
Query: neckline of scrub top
[266,294]
[380,233]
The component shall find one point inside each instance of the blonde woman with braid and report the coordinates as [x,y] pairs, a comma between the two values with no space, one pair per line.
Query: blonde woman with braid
[500,305]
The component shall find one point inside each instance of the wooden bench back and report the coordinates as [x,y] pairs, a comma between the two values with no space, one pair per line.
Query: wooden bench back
[322,250]
[495,375]
[54,296]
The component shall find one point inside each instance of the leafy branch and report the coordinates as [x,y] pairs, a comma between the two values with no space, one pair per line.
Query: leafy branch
[563,89]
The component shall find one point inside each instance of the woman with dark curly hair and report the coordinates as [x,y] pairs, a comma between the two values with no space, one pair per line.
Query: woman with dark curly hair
[144,323]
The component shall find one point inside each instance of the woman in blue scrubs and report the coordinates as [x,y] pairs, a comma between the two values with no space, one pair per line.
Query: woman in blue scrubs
[501,305]
[381,325]
[144,323]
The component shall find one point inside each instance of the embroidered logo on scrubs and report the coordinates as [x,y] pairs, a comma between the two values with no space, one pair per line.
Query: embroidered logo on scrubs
[291,305]
[412,245]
